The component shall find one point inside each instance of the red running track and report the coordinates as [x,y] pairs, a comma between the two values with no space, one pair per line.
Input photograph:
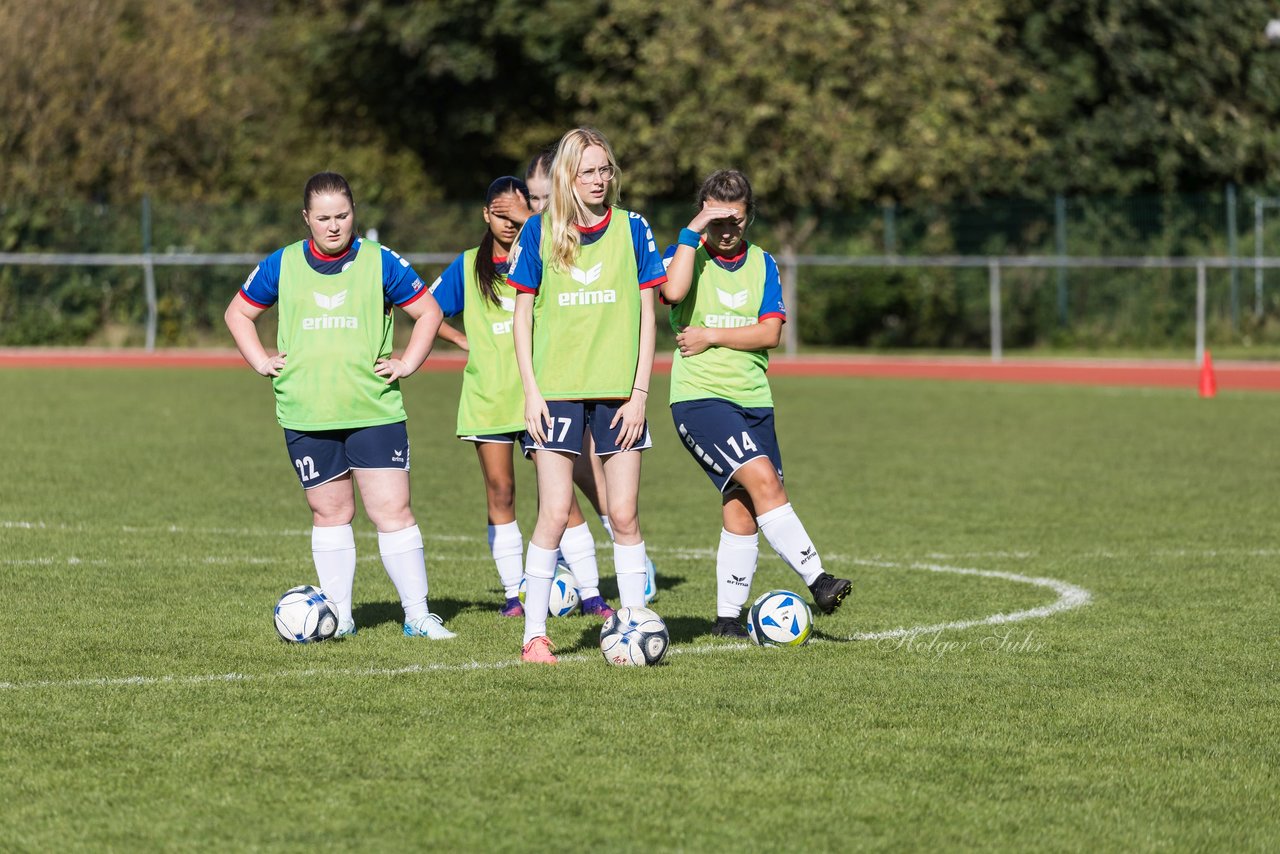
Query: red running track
[1230,376]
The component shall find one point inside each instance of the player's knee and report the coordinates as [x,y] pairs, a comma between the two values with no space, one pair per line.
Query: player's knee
[625,523]
[501,494]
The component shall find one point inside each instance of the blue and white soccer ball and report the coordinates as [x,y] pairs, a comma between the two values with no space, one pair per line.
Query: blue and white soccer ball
[564,593]
[780,618]
[634,637]
[305,615]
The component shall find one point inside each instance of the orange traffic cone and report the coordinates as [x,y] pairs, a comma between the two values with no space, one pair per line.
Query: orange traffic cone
[1208,384]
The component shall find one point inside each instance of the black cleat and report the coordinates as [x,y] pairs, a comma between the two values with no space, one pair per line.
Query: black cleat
[728,627]
[829,591]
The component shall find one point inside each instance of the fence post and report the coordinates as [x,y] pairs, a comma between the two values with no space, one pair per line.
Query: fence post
[790,335]
[1060,241]
[1200,301]
[149,274]
[1257,254]
[1232,251]
[997,332]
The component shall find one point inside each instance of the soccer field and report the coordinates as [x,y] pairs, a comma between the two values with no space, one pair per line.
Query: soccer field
[1062,636]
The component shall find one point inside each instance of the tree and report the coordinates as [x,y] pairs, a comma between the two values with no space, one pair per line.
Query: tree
[1142,95]
[823,104]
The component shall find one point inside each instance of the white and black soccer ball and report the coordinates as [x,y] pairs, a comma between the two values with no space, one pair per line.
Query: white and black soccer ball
[780,618]
[634,637]
[305,615]
[564,593]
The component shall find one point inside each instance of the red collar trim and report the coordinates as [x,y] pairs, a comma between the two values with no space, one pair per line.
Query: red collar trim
[320,256]
[600,226]
[732,260]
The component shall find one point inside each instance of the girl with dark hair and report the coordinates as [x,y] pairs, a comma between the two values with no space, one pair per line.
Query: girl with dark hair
[727,312]
[584,273]
[337,389]
[491,410]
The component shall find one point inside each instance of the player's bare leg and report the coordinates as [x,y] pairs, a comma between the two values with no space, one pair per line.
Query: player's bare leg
[506,543]
[785,533]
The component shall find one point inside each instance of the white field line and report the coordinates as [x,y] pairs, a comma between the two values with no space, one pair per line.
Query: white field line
[1069,596]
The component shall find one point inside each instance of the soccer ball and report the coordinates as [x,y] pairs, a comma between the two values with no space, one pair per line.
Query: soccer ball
[634,636]
[304,614]
[564,594]
[780,618]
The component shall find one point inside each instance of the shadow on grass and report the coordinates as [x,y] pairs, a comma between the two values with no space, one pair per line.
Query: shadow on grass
[376,613]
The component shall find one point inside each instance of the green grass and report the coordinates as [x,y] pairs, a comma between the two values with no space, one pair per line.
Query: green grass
[149,519]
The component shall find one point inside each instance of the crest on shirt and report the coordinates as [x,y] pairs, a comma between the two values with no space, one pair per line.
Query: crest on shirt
[586,277]
[729,300]
[330,303]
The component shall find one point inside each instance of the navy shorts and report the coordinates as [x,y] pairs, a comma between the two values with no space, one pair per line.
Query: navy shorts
[493,438]
[722,436]
[570,421]
[321,455]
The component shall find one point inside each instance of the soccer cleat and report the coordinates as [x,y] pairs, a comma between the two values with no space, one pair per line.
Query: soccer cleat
[650,581]
[728,627]
[513,608]
[538,651]
[829,591]
[596,607]
[428,626]
[345,630]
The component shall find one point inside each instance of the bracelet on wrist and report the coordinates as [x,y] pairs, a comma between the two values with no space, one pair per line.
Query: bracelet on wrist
[637,388]
[689,237]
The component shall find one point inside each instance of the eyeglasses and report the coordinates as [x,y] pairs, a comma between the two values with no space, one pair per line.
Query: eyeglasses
[605,173]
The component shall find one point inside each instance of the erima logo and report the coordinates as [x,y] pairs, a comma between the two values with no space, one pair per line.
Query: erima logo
[586,277]
[727,321]
[582,297]
[310,324]
[502,327]
[397,456]
[739,580]
[809,554]
[330,303]
[507,303]
[729,300]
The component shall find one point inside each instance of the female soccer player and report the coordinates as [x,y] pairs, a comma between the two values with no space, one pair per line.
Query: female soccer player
[727,312]
[588,470]
[584,335]
[491,411]
[337,389]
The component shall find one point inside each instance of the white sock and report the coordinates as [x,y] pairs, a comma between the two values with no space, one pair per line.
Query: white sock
[735,567]
[579,550]
[507,546]
[334,552]
[631,567]
[402,557]
[608,529]
[539,569]
[781,527]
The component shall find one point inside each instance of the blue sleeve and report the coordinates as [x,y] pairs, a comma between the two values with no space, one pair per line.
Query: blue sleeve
[649,266]
[262,288]
[450,289]
[771,303]
[526,261]
[400,282]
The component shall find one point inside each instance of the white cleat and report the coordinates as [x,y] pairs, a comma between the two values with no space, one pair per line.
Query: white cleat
[428,626]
